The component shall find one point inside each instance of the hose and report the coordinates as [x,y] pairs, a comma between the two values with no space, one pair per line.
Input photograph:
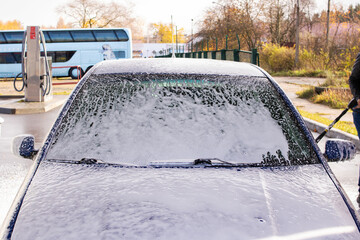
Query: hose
[23,83]
[48,82]
[23,74]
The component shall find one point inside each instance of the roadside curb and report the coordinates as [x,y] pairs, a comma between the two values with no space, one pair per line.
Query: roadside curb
[21,107]
[333,133]
[11,96]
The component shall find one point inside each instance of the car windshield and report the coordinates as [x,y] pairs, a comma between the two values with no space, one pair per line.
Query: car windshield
[141,118]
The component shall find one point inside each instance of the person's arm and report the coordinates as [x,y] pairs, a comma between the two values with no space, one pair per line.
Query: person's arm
[354,80]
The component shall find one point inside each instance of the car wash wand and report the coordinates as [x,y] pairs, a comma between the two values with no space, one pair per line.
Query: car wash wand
[352,103]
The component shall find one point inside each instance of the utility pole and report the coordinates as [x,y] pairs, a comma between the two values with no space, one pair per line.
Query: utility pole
[172,38]
[297,34]
[176,39]
[192,21]
[327,27]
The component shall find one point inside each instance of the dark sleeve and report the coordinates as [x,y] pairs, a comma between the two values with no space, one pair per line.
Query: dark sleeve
[354,80]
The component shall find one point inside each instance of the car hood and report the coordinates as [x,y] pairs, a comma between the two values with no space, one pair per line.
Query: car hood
[70,201]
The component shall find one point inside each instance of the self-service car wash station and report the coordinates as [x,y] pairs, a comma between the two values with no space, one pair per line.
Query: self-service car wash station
[34,79]
[35,67]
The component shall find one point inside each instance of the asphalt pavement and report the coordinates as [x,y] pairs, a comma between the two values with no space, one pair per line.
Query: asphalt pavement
[292,85]
[14,169]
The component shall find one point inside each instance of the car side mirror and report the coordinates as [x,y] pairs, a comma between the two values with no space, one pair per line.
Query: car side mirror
[339,150]
[24,146]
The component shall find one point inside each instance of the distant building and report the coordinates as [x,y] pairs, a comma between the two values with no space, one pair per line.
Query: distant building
[149,50]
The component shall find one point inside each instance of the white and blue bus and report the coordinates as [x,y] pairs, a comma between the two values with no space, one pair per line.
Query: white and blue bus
[68,48]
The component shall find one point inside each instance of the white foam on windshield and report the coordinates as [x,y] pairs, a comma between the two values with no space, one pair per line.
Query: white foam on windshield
[154,123]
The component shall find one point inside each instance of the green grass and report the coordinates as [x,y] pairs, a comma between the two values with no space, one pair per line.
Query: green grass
[336,80]
[307,93]
[333,98]
[345,126]
[300,73]
[341,75]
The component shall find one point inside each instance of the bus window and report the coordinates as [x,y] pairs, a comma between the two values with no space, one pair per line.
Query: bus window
[46,36]
[7,58]
[60,56]
[83,36]
[119,54]
[105,35]
[14,37]
[57,36]
[2,39]
[50,54]
[17,56]
[122,36]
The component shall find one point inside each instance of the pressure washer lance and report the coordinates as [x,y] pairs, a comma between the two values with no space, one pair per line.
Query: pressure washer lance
[353,103]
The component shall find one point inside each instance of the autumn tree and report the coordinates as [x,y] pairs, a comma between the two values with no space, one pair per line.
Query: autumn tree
[233,18]
[280,18]
[249,23]
[162,33]
[91,13]
[97,14]
[61,24]
[215,26]
[352,14]
[11,25]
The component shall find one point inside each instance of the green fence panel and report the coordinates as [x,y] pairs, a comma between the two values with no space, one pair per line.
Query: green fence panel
[245,56]
[213,54]
[223,54]
[218,55]
[254,56]
[236,55]
[230,55]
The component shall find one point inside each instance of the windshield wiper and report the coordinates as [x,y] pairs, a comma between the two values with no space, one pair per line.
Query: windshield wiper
[216,162]
[81,161]
[199,162]
[91,161]
[212,162]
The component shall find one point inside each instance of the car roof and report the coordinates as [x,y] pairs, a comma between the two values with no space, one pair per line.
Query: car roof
[177,66]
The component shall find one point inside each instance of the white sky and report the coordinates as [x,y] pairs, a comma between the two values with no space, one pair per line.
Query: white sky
[43,12]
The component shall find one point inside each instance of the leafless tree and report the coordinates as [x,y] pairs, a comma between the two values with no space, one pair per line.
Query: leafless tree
[233,18]
[281,19]
[93,13]
[250,21]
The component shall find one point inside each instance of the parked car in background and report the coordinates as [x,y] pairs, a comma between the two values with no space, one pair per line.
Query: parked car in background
[179,149]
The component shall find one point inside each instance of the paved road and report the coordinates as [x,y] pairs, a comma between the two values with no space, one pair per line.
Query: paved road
[291,85]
